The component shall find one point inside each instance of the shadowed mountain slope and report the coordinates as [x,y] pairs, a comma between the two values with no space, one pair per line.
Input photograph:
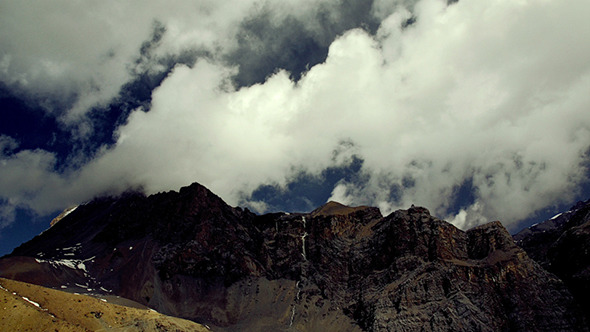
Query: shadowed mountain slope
[338,268]
[562,246]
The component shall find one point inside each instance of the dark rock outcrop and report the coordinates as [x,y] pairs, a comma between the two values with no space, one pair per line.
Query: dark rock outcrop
[562,246]
[338,268]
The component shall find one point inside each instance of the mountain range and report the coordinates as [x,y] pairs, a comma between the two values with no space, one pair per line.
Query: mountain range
[189,255]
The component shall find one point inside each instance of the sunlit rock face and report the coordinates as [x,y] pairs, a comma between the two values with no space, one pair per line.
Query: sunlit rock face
[337,268]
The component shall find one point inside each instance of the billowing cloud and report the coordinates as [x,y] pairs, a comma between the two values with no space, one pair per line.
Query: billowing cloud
[71,56]
[488,94]
[74,56]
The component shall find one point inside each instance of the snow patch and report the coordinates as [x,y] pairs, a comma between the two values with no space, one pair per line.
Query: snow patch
[31,302]
[555,216]
[74,264]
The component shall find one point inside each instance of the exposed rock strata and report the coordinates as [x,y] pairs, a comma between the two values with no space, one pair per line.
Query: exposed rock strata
[337,268]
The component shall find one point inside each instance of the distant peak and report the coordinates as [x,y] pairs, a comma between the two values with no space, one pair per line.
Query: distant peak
[194,188]
[418,209]
[334,208]
[201,192]
[492,225]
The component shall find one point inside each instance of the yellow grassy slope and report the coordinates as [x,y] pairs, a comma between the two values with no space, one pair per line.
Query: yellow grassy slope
[61,311]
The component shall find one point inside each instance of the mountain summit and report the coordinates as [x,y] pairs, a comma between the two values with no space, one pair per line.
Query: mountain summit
[190,255]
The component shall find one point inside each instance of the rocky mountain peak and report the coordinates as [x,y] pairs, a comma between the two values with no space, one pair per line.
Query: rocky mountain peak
[418,210]
[200,198]
[190,255]
[334,208]
[487,238]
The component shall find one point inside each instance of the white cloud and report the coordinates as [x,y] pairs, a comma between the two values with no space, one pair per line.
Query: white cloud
[79,55]
[492,91]
[340,195]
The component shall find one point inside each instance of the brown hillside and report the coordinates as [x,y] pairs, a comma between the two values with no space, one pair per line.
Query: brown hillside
[334,208]
[27,307]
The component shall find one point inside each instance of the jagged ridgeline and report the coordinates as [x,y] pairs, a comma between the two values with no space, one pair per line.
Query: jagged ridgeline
[190,255]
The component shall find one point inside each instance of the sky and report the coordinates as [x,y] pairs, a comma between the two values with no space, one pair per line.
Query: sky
[477,110]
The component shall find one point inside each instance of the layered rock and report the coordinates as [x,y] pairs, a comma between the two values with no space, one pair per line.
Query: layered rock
[190,255]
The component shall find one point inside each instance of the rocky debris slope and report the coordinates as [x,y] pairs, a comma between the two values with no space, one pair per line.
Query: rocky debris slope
[562,246]
[190,255]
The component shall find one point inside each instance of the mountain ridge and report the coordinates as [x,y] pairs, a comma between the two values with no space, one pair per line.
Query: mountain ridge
[562,246]
[188,254]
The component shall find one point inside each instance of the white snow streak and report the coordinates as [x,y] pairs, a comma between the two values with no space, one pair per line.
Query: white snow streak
[31,302]
[74,264]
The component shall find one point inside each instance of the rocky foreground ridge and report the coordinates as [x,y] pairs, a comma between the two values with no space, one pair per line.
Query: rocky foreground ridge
[338,268]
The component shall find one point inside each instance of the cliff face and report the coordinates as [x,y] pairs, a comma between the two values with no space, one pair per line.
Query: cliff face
[338,268]
[562,246]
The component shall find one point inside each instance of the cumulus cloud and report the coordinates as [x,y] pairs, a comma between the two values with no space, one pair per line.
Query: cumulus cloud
[70,58]
[74,56]
[490,93]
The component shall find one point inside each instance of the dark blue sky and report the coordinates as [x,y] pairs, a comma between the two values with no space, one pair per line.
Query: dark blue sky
[476,110]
